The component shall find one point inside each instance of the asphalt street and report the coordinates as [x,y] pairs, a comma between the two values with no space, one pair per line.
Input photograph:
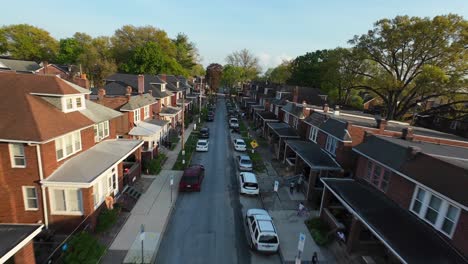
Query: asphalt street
[208,226]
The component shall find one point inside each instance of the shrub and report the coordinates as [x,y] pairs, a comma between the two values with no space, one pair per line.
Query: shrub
[318,230]
[83,248]
[154,166]
[107,219]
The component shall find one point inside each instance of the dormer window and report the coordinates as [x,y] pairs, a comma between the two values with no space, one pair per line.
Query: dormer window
[163,87]
[73,103]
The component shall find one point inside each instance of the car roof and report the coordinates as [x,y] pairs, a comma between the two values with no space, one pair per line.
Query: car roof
[257,212]
[205,128]
[202,140]
[249,177]
[239,139]
[192,171]
[266,225]
[244,157]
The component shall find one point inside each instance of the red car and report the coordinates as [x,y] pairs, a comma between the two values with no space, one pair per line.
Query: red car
[192,178]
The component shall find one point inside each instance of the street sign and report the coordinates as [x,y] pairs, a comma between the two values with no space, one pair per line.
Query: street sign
[142,233]
[300,245]
[254,143]
[172,180]
[275,188]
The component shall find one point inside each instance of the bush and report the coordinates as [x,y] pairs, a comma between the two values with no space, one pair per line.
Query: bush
[83,248]
[107,219]
[190,146]
[318,230]
[154,166]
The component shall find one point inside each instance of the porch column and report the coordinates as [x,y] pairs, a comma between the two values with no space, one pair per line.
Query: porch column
[313,177]
[326,198]
[352,243]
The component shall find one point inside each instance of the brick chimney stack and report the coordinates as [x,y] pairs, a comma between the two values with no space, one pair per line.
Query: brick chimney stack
[296,94]
[382,125]
[407,133]
[45,64]
[101,93]
[325,108]
[141,84]
[163,77]
[128,92]
[305,109]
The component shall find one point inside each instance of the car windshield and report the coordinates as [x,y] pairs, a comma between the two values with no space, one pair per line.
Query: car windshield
[240,143]
[234,121]
[269,239]
[189,180]
[204,130]
[201,143]
[251,185]
[246,162]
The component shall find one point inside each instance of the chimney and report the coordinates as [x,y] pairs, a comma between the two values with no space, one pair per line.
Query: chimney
[101,93]
[407,133]
[128,92]
[382,125]
[337,110]
[83,76]
[150,92]
[141,84]
[45,64]
[413,151]
[296,94]
[367,134]
[305,109]
[325,108]
[163,77]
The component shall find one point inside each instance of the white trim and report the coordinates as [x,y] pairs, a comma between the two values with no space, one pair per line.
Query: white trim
[43,191]
[12,156]
[54,211]
[20,245]
[414,181]
[59,95]
[26,198]
[73,140]
[344,141]
[331,143]
[343,202]
[311,137]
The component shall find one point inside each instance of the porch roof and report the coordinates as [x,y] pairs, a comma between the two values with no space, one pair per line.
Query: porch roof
[313,155]
[85,167]
[170,111]
[283,130]
[267,115]
[13,237]
[145,129]
[404,234]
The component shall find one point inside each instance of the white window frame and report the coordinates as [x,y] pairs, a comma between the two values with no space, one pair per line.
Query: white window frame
[74,103]
[67,211]
[137,115]
[331,145]
[276,111]
[26,198]
[74,136]
[372,177]
[286,117]
[454,124]
[313,134]
[105,186]
[13,156]
[101,131]
[78,100]
[441,214]
[295,122]
[146,111]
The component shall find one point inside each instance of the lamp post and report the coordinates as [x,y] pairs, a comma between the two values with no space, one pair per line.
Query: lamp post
[200,97]
[183,128]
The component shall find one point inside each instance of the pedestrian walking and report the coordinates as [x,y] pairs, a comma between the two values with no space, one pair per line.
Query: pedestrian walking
[300,209]
[315,258]
[299,183]
[291,187]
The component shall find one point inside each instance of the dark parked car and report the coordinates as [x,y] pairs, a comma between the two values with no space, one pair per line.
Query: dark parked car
[210,116]
[192,178]
[205,132]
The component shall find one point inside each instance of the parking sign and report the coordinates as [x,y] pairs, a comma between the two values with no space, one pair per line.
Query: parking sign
[275,187]
[300,245]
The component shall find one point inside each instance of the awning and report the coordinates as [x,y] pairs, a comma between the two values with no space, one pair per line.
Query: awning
[145,129]
[411,240]
[170,111]
[267,116]
[13,237]
[283,130]
[83,169]
[313,155]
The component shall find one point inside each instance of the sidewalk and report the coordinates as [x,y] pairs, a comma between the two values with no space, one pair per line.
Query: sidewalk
[152,210]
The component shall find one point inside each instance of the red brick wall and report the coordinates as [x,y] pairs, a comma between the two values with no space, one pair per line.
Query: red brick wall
[344,155]
[321,139]
[12,207]
[173,100]
[26,254]
[460,237]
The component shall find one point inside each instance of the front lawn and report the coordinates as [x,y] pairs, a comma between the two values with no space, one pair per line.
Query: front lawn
[318,230]
[190,146]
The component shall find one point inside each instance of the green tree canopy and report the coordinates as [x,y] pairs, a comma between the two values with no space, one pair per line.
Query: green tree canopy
[186,52]
[247,62]
[69,51]
[281,73]
[26,42]
[231,75]
[411,59]
[306,70]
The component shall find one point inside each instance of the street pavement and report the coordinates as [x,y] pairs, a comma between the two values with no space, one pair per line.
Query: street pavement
[205,226]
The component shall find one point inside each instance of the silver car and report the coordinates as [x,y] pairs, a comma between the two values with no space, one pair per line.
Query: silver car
[245,163]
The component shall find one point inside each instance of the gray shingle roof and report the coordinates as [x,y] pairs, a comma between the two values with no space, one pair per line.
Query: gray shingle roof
[283,130]
[313,155]
[98,113]
[11,235]
[138,101]
[169,110]
[19,65]
[117,83]
[329,124]
[158,122]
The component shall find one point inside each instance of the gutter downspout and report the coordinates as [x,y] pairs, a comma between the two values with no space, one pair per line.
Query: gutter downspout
[41,176]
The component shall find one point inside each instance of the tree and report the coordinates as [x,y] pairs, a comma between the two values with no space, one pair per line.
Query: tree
[97,60]
[26,42]
[411,60]
[214,72]
[151,59]
[231,75]
[247,62]
[281,73]
[128,38]
[186,52]
[306,70]
[69,51]
[197,70]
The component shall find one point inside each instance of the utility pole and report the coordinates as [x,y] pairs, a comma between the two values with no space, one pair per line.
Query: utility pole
[183,129]
[200,99]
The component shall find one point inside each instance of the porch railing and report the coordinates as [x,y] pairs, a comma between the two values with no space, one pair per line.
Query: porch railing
[131,171]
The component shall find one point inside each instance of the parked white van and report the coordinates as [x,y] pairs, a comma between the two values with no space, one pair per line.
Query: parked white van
[262,231]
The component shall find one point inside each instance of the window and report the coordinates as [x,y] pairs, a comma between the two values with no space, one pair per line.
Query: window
[30,198]
[271,107]
[286,117]
[66,201]
[136,115]
[146,112]
[331,145]
[69,102]
[454,125]
[313,133]
[276,111]
[436,211]
[17,157]
[78,102]
[377,175]
[101,131]
[68,145]
[105,186]
[295,122]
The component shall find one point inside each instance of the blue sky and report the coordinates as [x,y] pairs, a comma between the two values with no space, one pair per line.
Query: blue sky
[273,30]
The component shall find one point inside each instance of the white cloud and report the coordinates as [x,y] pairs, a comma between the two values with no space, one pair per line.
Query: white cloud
[267,60]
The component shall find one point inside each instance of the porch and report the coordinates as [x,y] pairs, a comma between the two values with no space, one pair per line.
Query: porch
[277,134]
[262,118]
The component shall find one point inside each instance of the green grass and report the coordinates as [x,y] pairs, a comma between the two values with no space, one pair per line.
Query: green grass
[83,248]
[154,166]
[190,146]
[318,230]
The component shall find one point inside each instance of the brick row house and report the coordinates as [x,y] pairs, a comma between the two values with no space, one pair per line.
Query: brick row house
[59,158]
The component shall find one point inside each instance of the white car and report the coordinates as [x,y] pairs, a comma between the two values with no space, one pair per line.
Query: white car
[233,123]
[262,231]
[202,145]
[245,163]
[239,145]
[248,183]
